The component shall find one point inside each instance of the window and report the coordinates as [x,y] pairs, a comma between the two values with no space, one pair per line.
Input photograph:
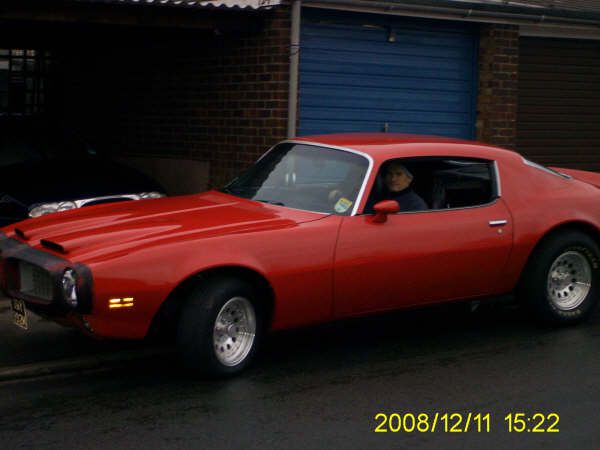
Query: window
[440,182]
[23,79]
[546,169]
[304,176]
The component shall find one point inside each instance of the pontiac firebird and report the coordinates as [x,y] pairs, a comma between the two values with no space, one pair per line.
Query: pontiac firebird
[308,234]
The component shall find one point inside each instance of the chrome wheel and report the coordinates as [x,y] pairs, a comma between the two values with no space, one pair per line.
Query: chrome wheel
[234,331]
[569,280]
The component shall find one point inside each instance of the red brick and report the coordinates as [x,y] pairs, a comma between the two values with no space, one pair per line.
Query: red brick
[498,84]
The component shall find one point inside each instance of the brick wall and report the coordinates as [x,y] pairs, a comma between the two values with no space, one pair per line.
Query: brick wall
[248,112]
[220,98]
[498,85]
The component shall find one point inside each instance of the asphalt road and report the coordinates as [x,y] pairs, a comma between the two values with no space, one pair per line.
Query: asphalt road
[323,387]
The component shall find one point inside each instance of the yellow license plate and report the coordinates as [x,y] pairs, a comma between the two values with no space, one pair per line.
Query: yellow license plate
[19,313]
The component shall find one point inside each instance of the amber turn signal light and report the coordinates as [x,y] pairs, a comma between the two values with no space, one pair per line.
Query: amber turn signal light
[125,302]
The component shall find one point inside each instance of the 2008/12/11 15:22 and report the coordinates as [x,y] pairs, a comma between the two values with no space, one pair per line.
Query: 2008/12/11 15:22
[464,422]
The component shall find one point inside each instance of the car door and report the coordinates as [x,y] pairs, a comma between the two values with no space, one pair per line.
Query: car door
[416,258]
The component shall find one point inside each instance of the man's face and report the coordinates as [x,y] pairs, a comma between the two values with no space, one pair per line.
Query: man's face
[396,179]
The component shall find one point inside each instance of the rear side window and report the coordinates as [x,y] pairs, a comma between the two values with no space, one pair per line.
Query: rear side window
[462,183]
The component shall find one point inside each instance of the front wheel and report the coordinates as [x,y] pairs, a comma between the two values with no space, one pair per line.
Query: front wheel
[220,327]
[561,283]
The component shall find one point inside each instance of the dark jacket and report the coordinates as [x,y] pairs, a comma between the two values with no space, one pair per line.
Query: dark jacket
[409,200]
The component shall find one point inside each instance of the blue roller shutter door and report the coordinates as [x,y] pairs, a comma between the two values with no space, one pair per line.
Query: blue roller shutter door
[363,72]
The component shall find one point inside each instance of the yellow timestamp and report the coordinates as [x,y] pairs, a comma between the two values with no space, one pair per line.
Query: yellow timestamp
[532,423]
[464,422]
[431,423]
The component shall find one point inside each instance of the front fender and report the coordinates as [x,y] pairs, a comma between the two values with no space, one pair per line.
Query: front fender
[296,261]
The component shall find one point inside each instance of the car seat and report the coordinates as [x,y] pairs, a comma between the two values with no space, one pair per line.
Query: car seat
[438,194]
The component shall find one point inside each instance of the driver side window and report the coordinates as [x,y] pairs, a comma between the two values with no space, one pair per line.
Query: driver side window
[434,183]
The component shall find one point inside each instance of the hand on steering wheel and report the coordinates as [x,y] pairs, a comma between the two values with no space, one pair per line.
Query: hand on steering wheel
[335,195]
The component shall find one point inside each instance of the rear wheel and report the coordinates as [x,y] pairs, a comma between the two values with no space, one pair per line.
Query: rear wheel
[220,327]
[562,279]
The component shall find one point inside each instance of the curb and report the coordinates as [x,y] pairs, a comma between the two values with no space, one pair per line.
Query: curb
[70,365]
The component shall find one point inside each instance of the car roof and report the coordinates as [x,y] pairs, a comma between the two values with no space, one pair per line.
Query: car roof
[381,146]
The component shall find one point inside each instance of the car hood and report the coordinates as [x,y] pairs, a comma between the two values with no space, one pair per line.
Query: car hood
[79,178]
[122,226]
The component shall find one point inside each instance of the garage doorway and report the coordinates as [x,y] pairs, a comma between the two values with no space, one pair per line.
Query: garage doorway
[559,102]
[363,72]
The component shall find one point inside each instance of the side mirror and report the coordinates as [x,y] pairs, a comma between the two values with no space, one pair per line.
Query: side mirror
[383,208]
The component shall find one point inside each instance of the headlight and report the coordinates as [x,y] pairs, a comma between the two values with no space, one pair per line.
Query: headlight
[144,195]
[48,208]
[69,285]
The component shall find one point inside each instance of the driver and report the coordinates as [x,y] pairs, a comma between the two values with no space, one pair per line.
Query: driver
[397,180]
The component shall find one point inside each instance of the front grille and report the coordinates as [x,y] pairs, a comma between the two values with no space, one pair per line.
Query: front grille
[35,281]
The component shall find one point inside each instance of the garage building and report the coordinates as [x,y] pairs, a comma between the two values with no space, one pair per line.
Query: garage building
[195,91]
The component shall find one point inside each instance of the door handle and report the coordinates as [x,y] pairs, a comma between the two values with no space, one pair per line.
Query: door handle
[497,223]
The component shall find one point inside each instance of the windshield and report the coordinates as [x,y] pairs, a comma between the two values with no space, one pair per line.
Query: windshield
[24,140]
[305,177]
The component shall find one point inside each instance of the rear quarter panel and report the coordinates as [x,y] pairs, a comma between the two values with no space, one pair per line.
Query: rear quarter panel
[540,202]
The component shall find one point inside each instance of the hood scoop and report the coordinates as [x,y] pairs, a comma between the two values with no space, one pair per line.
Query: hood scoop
[21,234]
[53,246]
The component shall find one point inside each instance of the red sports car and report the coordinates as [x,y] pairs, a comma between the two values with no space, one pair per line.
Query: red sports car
[320,228]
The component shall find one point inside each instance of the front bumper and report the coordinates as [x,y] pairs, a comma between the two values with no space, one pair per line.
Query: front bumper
[49,267]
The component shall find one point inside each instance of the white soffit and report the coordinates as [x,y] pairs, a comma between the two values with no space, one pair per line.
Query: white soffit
[559,32]
[523,12]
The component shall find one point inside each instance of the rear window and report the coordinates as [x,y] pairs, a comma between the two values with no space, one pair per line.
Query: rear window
[546,169]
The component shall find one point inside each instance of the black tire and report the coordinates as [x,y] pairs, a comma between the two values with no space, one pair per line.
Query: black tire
[573,258]
[196,327]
